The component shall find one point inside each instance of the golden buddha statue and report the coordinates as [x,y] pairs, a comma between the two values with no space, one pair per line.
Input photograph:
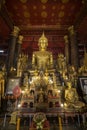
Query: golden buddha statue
[41,96]
[61,61]
[72,98]
[42,59]
[83,69]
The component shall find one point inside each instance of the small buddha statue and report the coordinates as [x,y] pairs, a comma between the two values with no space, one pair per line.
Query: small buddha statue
[41,96]
[13,118]
[72,98]
[46,77]
[61,61]
[72,74]
[42,59]
[83,69]
[26,80]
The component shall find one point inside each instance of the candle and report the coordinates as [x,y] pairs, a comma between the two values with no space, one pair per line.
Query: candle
[60,124]
[18,123]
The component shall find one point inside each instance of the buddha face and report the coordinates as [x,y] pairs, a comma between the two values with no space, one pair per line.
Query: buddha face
[69,85]
[43,42]
[42,45]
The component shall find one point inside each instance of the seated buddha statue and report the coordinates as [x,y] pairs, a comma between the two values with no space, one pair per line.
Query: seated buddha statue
[42,59]
[72,98]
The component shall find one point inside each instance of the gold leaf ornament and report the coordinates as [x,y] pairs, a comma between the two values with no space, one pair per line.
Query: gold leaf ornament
[44,14]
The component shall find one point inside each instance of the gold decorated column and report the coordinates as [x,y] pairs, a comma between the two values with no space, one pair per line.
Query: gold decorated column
[66,49]
[18,49]
[12,45]
[73,46]
[20,40]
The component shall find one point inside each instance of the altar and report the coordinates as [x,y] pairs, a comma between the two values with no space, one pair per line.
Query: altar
[47,90]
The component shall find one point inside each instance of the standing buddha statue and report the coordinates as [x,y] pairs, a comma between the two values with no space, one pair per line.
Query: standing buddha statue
[42,59]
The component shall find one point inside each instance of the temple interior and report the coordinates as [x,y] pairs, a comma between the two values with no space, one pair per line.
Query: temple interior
[43,65]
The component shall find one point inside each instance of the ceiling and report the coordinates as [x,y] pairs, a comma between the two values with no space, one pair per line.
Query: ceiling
[49,15]
[56,14]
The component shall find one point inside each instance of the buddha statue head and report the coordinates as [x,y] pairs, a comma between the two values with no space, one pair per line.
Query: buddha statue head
[69,84]
[43,42]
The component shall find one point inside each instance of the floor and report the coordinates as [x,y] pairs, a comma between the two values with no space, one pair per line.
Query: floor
[53,125]
[67,127]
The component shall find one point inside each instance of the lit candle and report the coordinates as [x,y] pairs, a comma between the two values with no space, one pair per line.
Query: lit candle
[18,123]
[60,124]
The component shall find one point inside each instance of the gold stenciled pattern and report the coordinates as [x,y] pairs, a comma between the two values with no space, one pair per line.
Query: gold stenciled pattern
[44,1]
[59,20]
[24,7]
[73,7]
[61,14]
[65,1]
[62,7]
[43,20]
[44,14]
[54,7]
[23,1]
[52,20]
[18,14]
[34,7]
[47,10]
[53,14]
[35,14]
[26,14]
[43,7]
[69,14]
